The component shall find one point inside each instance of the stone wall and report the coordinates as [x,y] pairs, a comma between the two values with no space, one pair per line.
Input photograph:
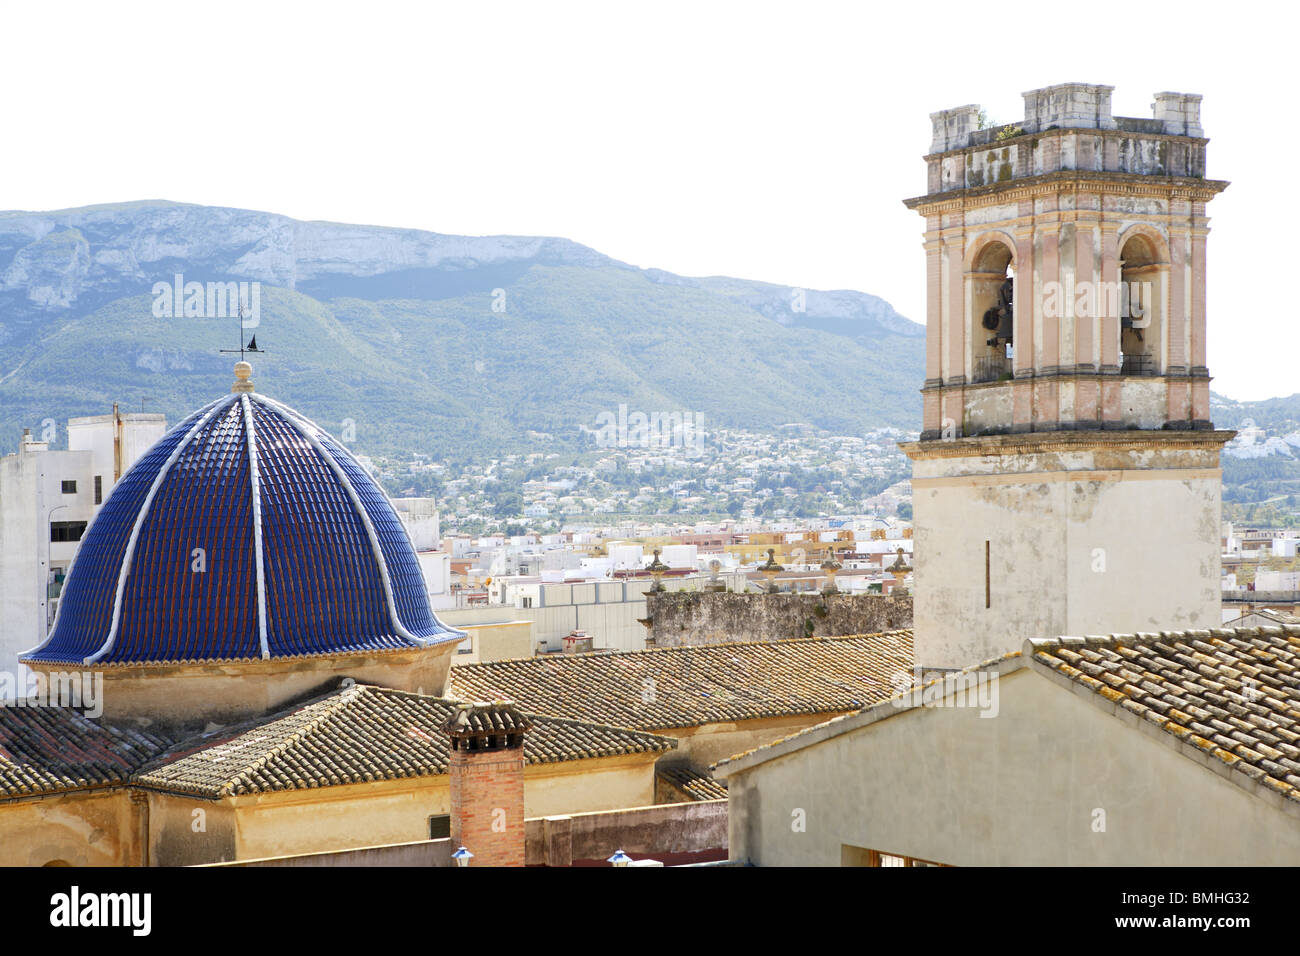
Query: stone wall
[674,833]
[693,617]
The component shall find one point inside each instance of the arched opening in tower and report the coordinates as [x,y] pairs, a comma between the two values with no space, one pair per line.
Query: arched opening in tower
[1140,306]
[991,320]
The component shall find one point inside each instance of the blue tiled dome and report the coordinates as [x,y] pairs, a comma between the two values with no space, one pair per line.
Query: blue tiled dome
[301,552]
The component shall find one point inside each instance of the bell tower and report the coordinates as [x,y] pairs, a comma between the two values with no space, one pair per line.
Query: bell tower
[1067,478]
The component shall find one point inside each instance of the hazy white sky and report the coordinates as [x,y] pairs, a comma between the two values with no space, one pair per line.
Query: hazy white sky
[767,141]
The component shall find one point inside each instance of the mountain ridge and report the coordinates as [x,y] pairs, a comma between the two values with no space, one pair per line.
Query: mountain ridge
[411,317]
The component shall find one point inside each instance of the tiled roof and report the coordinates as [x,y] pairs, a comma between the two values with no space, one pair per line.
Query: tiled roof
[52,749]
[694,783]
[1232,693]
[688,686]
[359,734]
[303,553]
[486,717]
[1227,697]
[903,696]
[1269,615]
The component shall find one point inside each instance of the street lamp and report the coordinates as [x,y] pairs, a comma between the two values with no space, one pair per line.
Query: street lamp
[462,857]
[619,859]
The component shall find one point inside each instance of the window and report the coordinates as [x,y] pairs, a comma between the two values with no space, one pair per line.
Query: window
[466,646]
[1140,304]
[69,487]
[67,530]
[99,489]
[861,856]
[991,287]
[440,827]
[988,580]
[528,602]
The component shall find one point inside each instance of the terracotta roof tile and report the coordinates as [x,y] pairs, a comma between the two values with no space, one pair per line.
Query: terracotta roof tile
[696,784]
[51,749]
[486,717]
[357,734]
[671,687]
[1234,693]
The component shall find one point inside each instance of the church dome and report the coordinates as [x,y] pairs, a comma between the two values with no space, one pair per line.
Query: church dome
[245,533]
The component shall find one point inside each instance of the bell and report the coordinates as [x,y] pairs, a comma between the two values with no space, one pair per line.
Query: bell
[999,318]
[1005,333]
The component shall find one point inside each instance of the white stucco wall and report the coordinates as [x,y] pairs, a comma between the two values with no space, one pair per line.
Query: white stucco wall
[1019,789]
[1094,541]
[31,497]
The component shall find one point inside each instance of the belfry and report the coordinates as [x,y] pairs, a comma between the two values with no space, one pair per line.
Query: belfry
[1067,478]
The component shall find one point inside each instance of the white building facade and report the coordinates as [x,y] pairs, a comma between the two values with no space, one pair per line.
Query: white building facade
[47,500]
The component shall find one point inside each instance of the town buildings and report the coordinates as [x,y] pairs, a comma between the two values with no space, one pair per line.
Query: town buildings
[278,684]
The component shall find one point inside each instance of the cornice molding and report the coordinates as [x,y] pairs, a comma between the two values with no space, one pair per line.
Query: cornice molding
[1038,443]
[1091,181]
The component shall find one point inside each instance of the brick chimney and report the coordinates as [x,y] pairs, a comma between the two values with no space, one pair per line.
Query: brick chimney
[487,781]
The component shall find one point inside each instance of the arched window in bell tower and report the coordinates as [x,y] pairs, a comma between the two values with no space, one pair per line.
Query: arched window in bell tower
[990,319]
[1141,306]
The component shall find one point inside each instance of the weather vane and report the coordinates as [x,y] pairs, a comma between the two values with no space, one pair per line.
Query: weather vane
[252,343]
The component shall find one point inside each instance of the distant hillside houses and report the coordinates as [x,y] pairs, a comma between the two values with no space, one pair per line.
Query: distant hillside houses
[1254,442]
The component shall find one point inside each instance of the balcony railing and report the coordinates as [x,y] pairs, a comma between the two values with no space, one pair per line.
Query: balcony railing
[1137,364]
[992,368]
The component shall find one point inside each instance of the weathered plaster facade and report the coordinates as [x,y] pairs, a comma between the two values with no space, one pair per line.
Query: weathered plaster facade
[1029,536]
[386,811]
[86,828]
[1066,480]
[128,826]
[227,691]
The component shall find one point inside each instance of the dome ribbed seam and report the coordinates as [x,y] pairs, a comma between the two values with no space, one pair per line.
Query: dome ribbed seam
[254,491]
[304,429]
[128,557]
